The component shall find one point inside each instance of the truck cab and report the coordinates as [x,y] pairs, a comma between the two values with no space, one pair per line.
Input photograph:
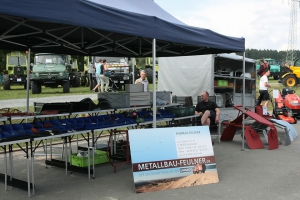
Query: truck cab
[16,70]
[120,70]
[274,67]
[50,70]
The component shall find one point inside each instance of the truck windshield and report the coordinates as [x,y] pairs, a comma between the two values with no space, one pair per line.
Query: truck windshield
[112,59]
[16,60]
[156,61]
[272,62]
[50,59]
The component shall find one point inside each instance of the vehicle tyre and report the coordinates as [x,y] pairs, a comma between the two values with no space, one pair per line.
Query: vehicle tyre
[83,81]
[149,73]
[290,80]
[66,86]
[275,77]
[35,87]
[93,84]
[76,80]
[6,82]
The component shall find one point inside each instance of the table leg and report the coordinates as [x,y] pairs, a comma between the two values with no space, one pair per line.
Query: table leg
[28,169]
[5,163]
[32,169]
[66,154]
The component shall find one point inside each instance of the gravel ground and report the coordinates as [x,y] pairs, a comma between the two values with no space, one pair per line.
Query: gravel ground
[15,103]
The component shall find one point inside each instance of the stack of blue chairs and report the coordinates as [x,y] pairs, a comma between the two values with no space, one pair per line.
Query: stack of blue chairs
[7,132]
[29,126]
[21,130]
[102,121]
[12,131]
[147,115]
[73,123]
[89,123]
[52,125]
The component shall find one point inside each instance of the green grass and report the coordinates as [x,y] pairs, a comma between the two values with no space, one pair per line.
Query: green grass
[18,92]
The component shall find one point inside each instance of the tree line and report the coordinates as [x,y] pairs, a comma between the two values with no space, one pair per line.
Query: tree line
[250,53]
[280,56]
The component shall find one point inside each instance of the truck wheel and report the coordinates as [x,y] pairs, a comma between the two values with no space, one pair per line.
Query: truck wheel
[35,87]
[76,80]
[83,81]
[66,86]
[6,82]
[290,81]
[149,72]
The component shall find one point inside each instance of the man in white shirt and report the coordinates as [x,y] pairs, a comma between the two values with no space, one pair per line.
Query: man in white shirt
[263,89]
[143,80]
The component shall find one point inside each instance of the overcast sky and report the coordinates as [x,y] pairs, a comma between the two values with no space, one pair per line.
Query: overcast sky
[263,23]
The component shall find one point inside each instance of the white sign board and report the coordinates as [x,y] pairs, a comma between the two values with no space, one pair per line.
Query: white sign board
[172,158]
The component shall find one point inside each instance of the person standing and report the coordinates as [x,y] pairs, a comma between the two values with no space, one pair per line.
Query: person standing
[207,110]
[143,80]
[104,79]
[262,69]
[263,89]
[98,67]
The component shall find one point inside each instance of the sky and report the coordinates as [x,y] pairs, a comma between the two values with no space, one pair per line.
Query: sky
[263,23]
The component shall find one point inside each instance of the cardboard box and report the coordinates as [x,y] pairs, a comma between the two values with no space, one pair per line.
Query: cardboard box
[134,88]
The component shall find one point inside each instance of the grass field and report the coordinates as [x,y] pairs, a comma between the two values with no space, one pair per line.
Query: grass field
[18,92]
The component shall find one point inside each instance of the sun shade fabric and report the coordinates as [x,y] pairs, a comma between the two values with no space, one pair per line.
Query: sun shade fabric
[123,19]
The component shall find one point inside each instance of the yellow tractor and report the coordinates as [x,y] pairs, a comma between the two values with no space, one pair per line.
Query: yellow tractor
[291,74]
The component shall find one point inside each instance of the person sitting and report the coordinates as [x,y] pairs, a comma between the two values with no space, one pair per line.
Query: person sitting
[207,110]
[143,81]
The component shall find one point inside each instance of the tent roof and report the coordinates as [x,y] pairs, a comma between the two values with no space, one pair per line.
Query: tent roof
[106,28]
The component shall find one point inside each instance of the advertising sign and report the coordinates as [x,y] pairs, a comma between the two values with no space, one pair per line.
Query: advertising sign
[167,158]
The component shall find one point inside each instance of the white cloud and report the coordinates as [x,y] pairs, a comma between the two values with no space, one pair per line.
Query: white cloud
[264,24]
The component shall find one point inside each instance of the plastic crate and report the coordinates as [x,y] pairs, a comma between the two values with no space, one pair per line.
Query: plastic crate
[116,100]
[164,95]
[182,111]
[178,99]
[100,157]
[134,88]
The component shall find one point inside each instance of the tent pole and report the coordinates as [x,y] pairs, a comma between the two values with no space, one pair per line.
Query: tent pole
[28,81]
[133,71]
[154,81]
[243,100]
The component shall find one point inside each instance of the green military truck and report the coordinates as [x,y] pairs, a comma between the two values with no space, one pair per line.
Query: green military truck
[52,70]
[15,70]
[274,67]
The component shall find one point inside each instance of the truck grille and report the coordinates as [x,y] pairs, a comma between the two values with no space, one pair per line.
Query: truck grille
[18,70]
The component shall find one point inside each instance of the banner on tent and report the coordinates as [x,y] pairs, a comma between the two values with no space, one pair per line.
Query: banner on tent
[167,158]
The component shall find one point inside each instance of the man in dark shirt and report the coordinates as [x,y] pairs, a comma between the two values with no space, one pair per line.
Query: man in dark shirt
[208,110]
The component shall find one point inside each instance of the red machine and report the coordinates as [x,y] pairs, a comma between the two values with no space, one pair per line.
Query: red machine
[251,135]
[287,106]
